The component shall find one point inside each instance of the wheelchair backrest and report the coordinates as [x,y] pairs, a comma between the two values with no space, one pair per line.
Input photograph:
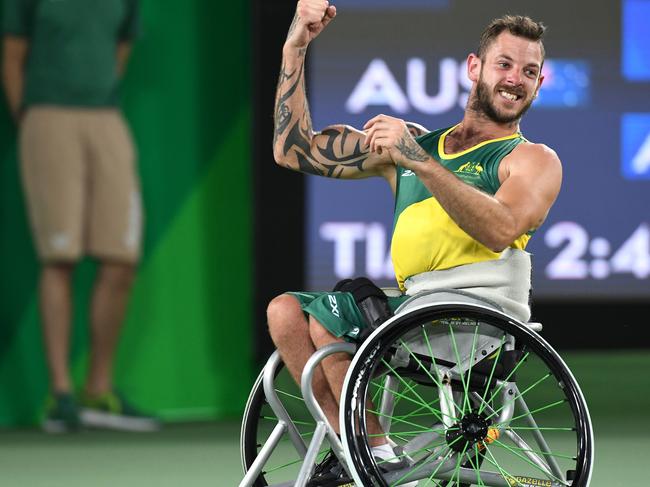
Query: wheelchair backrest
[455,341]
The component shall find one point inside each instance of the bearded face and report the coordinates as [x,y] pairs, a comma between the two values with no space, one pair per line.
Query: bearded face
[501,104]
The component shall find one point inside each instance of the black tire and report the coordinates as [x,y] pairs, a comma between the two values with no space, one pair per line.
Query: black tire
[553,396]
[258,421]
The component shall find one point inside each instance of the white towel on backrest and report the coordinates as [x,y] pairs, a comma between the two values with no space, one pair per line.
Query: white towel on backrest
[505,281]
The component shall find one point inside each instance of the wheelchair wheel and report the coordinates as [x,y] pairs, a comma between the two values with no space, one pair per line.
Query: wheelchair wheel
[258,422]
[476,398]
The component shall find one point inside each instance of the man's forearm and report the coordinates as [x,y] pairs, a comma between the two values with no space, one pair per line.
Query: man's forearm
[480,215]
[13,81]
[14,55]
[122,56]
[291,108]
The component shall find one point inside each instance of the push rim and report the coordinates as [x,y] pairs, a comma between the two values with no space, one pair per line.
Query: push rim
[368,364]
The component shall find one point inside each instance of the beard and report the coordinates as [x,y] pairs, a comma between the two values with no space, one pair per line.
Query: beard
[484,103]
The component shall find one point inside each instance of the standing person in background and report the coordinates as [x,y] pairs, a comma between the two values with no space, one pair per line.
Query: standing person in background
[63,61]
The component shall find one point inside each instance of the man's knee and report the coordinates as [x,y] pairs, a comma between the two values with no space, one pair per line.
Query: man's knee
[319,334]
[61,269]
[283,316]
[117,275]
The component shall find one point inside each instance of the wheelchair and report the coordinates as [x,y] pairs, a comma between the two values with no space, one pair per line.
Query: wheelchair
[468,394]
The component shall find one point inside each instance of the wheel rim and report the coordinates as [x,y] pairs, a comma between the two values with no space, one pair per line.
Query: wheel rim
[258,422]
[504,452]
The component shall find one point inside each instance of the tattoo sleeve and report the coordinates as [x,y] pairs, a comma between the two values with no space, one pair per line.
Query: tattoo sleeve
[335,152]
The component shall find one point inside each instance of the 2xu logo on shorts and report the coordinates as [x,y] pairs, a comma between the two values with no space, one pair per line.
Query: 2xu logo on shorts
[334,305]
[528,482]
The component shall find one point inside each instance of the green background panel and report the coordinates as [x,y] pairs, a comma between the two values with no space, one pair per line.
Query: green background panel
[185,351]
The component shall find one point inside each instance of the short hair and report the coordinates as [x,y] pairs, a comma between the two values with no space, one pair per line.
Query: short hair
[517,25]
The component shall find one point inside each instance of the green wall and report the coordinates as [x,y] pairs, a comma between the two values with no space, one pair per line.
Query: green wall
[185,352]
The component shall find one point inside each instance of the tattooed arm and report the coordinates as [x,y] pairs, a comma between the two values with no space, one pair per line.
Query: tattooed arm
[337,151]
[530,178]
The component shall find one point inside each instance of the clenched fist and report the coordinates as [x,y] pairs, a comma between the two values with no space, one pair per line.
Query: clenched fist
[312,16]
[390,134]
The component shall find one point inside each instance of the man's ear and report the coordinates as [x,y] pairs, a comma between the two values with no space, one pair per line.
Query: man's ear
[473,67]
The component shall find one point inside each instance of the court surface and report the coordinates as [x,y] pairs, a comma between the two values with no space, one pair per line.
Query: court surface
[207,454]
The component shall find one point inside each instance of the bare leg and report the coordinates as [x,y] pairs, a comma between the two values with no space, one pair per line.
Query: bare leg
[56,310]
[108,307]
[335,367]
[290,333]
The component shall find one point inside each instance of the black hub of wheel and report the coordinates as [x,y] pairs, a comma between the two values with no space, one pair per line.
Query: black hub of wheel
[469,430]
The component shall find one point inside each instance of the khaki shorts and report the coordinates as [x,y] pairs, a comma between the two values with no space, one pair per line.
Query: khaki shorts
[80,181]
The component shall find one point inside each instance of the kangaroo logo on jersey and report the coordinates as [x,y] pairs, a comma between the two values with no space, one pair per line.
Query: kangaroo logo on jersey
[470,168]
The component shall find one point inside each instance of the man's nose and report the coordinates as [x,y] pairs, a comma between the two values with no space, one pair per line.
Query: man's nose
[514,77]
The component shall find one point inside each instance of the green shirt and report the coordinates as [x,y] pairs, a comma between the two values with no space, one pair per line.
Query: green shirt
[72,48]
[425,237]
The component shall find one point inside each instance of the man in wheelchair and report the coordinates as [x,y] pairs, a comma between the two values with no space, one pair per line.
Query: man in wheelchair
[467,197]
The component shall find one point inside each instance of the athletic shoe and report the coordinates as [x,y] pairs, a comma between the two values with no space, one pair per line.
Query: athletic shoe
[399,461]
[329,472]
[111,411]
[61,414]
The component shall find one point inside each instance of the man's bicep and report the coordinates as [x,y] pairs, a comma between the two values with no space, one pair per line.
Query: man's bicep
[530,190]
[338,151]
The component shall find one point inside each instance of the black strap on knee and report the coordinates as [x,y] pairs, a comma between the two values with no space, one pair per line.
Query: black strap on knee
[370,299]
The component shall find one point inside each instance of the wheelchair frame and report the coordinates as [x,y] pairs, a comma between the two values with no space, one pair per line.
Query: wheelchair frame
[323,430]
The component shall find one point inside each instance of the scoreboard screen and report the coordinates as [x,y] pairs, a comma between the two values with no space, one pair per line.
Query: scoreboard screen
[407,58]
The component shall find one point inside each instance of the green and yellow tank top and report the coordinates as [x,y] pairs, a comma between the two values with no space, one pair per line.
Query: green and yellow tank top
[425,238]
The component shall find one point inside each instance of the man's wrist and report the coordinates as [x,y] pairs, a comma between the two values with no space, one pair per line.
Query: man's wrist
[290,49]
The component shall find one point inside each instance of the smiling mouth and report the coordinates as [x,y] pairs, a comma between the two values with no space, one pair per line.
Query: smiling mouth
[509,96]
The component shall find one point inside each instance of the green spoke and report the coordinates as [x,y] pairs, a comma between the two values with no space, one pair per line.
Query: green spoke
[413,413]
[506,476]
[487,386]
[444,391]
[528,461]
[462,376]
[471,364]
[477,466]
[400,419]
[498,389]
[378,382]
[405,433]
[378,391]
[427,372]
[535,411]
[419,415]
[449,452]
[557,455]
[292,396]
[422,401]
[442,461]
[460,457]
[419,467]
[403,455]
[540,428]
[424,405]
[285,465]
[429,449]
[521,394]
